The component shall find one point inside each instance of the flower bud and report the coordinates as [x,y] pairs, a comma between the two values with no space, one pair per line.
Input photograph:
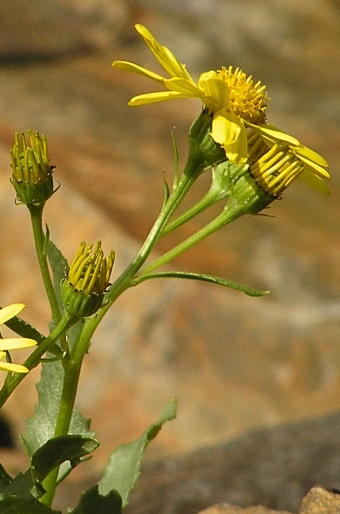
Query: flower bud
[274,167]
[32,173]
[83,290]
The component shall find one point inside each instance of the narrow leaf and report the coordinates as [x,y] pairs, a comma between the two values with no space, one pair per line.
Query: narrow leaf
[166,190]
[93,502]
[205,278]
[24,329]
[123,469]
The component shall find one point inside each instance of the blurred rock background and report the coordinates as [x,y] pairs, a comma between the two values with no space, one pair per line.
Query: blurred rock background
[233,362]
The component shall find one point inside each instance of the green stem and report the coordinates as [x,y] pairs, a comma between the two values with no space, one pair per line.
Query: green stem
[125,280]
[225,217]
[245,198]
[209,199]
[12,381]
[40,245]
[72,367]
[73,362]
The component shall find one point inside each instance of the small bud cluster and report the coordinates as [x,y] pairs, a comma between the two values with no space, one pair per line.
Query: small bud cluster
[32,172]
[88,278]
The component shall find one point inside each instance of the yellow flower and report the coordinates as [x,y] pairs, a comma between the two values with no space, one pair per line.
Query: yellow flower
[237,105]
[312,166]
[13,343]
[232,97]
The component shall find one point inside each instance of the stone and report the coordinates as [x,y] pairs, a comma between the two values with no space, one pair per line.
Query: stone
[224,508]
[321,501]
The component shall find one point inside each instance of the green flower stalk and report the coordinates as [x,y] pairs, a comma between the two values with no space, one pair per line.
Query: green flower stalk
[32,173]
[87,281]
[250,188]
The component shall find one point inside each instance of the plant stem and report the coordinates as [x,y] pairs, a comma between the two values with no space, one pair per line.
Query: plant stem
[225,217]
[125,280]
[40,245]
[72,367]
[72,363]
[209,199]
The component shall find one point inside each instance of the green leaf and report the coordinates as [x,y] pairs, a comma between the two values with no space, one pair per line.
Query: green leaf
[123,469]
[23,487]
[15,506]
[5,478]
[20,495]
[24,329]
[60,449]
[205,278]
[93,502]
[40,428]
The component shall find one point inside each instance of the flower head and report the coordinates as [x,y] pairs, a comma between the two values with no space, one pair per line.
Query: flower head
[88,278]
[236,103]
[13,343]
[312,166]
[232,97]
[32,172]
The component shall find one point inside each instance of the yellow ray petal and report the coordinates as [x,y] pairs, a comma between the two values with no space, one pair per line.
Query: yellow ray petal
[315,181]
[313,156]
[228,130]
[163,55]
[15,343]
[150,98]
[183,86]
[313,167]
[139,70]
[217,91]
[16,368]
[226,127]
[11,310]
[309,156]
[274,134]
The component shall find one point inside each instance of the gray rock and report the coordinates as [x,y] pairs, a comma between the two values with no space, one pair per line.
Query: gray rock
[273,467]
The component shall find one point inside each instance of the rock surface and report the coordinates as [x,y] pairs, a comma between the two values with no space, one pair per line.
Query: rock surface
[230,509]
[233,362]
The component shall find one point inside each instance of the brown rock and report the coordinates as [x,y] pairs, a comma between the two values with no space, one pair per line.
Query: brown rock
[321,501]
[224,508]
[39,30]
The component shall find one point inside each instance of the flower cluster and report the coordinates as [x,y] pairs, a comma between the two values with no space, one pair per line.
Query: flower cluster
[88,278]
[237,105]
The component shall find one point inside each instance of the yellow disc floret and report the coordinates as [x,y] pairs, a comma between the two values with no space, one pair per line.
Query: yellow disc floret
[247,99]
